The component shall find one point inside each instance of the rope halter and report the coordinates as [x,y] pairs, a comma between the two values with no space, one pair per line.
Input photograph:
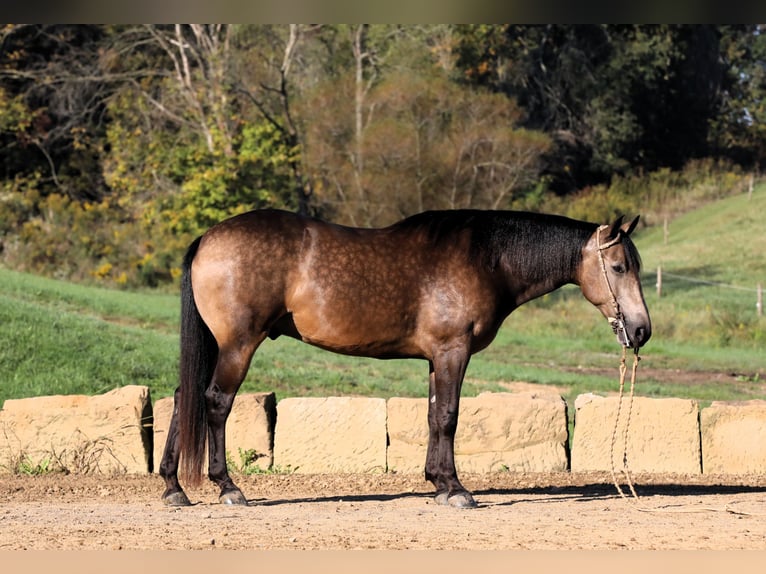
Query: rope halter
[617,322]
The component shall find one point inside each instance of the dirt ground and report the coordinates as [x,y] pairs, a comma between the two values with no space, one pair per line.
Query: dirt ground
[561,511]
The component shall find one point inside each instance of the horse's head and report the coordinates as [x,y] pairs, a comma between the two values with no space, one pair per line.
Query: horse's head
[608,277]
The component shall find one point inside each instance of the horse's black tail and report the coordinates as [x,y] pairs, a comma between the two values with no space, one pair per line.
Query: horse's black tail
[199,352]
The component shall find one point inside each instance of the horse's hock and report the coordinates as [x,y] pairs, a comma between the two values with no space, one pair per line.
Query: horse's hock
[112,433]
[249,434]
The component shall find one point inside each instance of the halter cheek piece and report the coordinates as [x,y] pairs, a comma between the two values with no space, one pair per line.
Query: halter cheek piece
[617,322]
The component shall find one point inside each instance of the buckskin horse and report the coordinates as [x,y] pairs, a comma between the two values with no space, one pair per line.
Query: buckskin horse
[435,286]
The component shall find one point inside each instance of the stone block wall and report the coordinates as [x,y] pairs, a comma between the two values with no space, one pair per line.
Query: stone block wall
[335,434]
[663,435]
[734,437]
[109,433]
[496,431]
[120,432]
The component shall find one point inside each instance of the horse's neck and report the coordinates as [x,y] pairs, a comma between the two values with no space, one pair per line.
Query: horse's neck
[524,292]
[526,282]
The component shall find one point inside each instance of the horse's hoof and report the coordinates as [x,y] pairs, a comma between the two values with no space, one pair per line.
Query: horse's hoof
[442,498]
[462,500]
[233,497]
[458,500]
[177,498]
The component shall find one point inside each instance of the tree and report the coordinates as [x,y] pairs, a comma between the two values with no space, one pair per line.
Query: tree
[186,148]
[738,130]
[428,144]
[270,56]
[614,98]
[52,91]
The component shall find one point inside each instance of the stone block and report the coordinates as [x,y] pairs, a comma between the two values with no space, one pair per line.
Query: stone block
[734,437]
[109,433]
[662,435]
[333,434]
[496,431]
[249,429]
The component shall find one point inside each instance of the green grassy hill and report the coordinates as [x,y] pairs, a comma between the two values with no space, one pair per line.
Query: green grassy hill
[708,343]
[712,262]
[723,241]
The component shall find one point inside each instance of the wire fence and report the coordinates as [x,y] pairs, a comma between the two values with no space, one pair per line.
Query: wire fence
[717,289]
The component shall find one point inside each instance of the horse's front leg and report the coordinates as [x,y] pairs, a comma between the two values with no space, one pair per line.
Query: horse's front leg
[445,382]
[219,406]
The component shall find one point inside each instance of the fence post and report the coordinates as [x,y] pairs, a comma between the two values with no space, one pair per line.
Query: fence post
[659,281]
[759,303]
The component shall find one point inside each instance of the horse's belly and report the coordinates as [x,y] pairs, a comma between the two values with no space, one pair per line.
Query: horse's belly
[358,333]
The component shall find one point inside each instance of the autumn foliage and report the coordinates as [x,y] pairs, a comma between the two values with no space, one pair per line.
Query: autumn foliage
[122,143]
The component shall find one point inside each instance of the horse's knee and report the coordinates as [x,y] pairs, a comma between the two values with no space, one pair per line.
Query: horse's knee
[448,422]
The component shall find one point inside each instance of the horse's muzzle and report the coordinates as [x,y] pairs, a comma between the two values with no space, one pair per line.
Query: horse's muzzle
[618,327]
[627,337]
[641,335]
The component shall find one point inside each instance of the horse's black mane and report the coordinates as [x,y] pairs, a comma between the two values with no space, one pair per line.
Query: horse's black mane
[538,245]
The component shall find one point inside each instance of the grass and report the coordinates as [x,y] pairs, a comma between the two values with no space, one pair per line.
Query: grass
[62,338]
[45,350]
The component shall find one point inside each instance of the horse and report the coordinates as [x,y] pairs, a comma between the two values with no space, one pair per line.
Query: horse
[435,286]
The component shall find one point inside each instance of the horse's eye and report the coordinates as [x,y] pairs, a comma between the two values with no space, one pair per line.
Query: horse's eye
[620,268]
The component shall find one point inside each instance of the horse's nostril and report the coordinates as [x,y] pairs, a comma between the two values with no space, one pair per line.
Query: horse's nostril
[642,336]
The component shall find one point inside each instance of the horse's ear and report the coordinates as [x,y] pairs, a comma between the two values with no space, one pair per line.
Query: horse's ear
[614,229]
[629,227]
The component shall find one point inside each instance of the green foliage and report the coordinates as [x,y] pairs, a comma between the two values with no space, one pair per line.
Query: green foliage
[616,98]
[27,467]
[16,117]
[59,237]
[219,185]
[248,464]
[656,196]
[739,128]
[177,185]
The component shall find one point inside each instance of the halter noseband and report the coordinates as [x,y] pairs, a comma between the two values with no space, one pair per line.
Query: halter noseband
[617,322]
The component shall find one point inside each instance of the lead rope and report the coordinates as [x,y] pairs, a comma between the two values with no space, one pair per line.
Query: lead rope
[623,371]
[625,468]
[635,498]
[617,322]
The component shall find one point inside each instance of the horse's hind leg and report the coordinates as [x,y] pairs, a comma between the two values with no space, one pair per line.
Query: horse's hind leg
[174,494]
[230,371]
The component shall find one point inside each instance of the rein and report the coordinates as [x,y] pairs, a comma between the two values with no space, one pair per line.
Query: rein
[663,509]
